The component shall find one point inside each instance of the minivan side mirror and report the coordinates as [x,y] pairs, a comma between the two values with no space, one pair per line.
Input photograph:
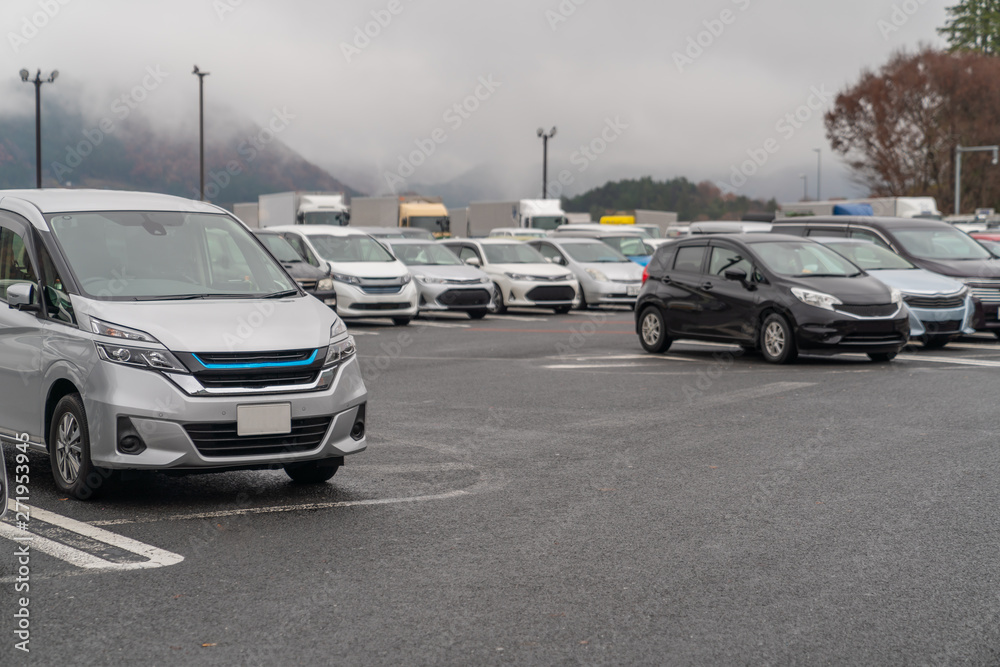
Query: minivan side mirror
[21,296]
[473,261]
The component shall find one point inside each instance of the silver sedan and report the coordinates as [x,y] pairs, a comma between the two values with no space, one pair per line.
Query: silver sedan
[606,276]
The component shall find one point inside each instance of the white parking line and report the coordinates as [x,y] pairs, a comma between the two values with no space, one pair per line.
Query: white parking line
[441,325]
[950,360]
[518,318]
[154,557]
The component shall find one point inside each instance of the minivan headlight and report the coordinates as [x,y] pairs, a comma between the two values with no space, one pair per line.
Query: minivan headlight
[339,351]
[325,285]
[405,280]
[817,299]
[140,357]
[103,328]
[344,278]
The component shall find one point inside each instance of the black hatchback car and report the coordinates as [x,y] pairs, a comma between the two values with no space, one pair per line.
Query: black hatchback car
[776,293]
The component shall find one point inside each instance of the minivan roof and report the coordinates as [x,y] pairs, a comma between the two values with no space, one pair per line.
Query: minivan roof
[871,221]
[319,230]
[66,200]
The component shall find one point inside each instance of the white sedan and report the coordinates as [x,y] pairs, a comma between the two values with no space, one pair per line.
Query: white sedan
[522,278]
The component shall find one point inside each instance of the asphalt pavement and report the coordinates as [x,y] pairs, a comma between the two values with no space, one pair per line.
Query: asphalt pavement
[538,490]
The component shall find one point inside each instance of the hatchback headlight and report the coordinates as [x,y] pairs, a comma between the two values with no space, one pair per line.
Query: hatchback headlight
[325,285]
[819,299]
[896,296]
[597,275]
[344,278]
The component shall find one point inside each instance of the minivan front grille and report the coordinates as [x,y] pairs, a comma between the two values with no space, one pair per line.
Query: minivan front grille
[987,291]
[238,358]
[256,379]
[879,310]
[220,439]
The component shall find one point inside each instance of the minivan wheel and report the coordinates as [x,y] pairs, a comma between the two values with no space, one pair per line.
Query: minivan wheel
[777,343]
[69,452]
[313,472]
[882,357]
[653,331]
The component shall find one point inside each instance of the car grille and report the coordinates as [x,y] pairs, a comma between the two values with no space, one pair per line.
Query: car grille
[227,370]
[381,289]
[934,302]
[986,291]
[307,285]
[873,339]
[282,357]
[221,439]
[256,379]
[561,293]
[952,326]
[464,297]
[880,310]
[382,306]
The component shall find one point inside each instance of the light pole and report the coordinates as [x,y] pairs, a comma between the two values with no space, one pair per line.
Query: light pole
[545,159]
[958,168]
[201,124]
[805,187]
[38,81]
[819,172]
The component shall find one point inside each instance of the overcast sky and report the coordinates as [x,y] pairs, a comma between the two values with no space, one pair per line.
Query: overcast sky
[620,77]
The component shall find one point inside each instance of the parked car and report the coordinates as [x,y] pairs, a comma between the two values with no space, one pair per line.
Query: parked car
[519,233]
[445,282]
[632,244]
[369,281]
[989,240]
[606,276]
[311,279]
[521,276]
[941,308]
[930,244]
[729,227]
[780,294]
[147,332]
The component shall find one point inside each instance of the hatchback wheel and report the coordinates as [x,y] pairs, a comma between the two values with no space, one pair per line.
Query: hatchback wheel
[777,342]
[653,331]
[69,452]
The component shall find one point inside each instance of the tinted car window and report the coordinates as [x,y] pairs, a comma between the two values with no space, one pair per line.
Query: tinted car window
[15,265]
[803,259]
[868,236]
[940,243]
[725,259]
[690,258]
[661,261]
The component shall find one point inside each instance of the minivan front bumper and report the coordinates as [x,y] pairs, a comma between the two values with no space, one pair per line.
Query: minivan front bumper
[180,431]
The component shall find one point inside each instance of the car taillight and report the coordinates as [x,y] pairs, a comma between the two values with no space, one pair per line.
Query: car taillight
[645,274]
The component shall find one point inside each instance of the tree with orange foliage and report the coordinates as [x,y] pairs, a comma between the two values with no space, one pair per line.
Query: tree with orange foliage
[898,128]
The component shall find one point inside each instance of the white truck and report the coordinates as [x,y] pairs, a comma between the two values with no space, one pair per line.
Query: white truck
[526,213]
[890,207]
[247,212]
[303,208]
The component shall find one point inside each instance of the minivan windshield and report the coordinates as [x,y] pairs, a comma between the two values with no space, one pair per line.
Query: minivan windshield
[803,259]
[425,254]
[153,255]
[944,242]
[869,256]
[355,248]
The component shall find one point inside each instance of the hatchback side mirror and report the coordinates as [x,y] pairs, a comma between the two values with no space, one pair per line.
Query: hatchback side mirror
[21,296]
[736,274]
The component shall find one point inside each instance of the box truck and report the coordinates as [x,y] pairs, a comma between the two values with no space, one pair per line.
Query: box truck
[427,213]
[525,213]
[303,208]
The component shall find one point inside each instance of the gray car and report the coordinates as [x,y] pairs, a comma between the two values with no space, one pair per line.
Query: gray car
[607,277]
[445,282]
[147,332]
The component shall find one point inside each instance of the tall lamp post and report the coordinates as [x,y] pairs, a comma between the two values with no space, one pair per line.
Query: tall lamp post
[819,172]
[545,159]
[958,168]
[38,81]
[805,187]
[201,124]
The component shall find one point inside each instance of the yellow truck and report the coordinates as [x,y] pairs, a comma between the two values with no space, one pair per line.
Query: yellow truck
[407,211]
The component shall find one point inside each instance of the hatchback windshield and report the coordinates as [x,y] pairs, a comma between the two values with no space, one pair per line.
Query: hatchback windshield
[803,260]
[630,246]
[149,255]
[593,252]
[356,248]
[869,256]
[280,248]
[424,254]
[940,243]
[512,253]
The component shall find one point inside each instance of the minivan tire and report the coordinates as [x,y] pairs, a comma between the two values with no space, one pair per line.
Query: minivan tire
[69,452]
[313,472]
[653,331]
[777,341]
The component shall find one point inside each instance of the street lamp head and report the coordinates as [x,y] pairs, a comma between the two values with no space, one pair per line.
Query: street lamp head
[541,132]
[25,74]
[52,77]
[553,132]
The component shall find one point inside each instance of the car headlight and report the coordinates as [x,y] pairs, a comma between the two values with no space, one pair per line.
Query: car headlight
[103,328]
[427,280]
[485,280]
[161,360]
[339,351]
[896,296]
[818,299]
[568,276]
[518,276]
[325,285]
[406,279]
[597,275]
[344,278]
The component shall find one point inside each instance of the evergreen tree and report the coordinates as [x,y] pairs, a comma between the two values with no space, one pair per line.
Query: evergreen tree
[974,26]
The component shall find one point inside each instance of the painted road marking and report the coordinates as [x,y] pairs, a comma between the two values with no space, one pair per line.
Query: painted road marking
[950,360]
[91,538]
[442,325]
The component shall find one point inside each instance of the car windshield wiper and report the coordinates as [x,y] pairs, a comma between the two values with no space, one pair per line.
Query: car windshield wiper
[174,297]
[279,295]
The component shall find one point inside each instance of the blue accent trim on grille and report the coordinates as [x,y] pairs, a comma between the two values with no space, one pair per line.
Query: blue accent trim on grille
[282,364]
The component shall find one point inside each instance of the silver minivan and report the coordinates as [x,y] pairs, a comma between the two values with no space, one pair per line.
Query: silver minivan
[147,332]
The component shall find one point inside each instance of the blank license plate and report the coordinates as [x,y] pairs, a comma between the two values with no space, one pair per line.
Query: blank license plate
[632,290]
[272,419]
